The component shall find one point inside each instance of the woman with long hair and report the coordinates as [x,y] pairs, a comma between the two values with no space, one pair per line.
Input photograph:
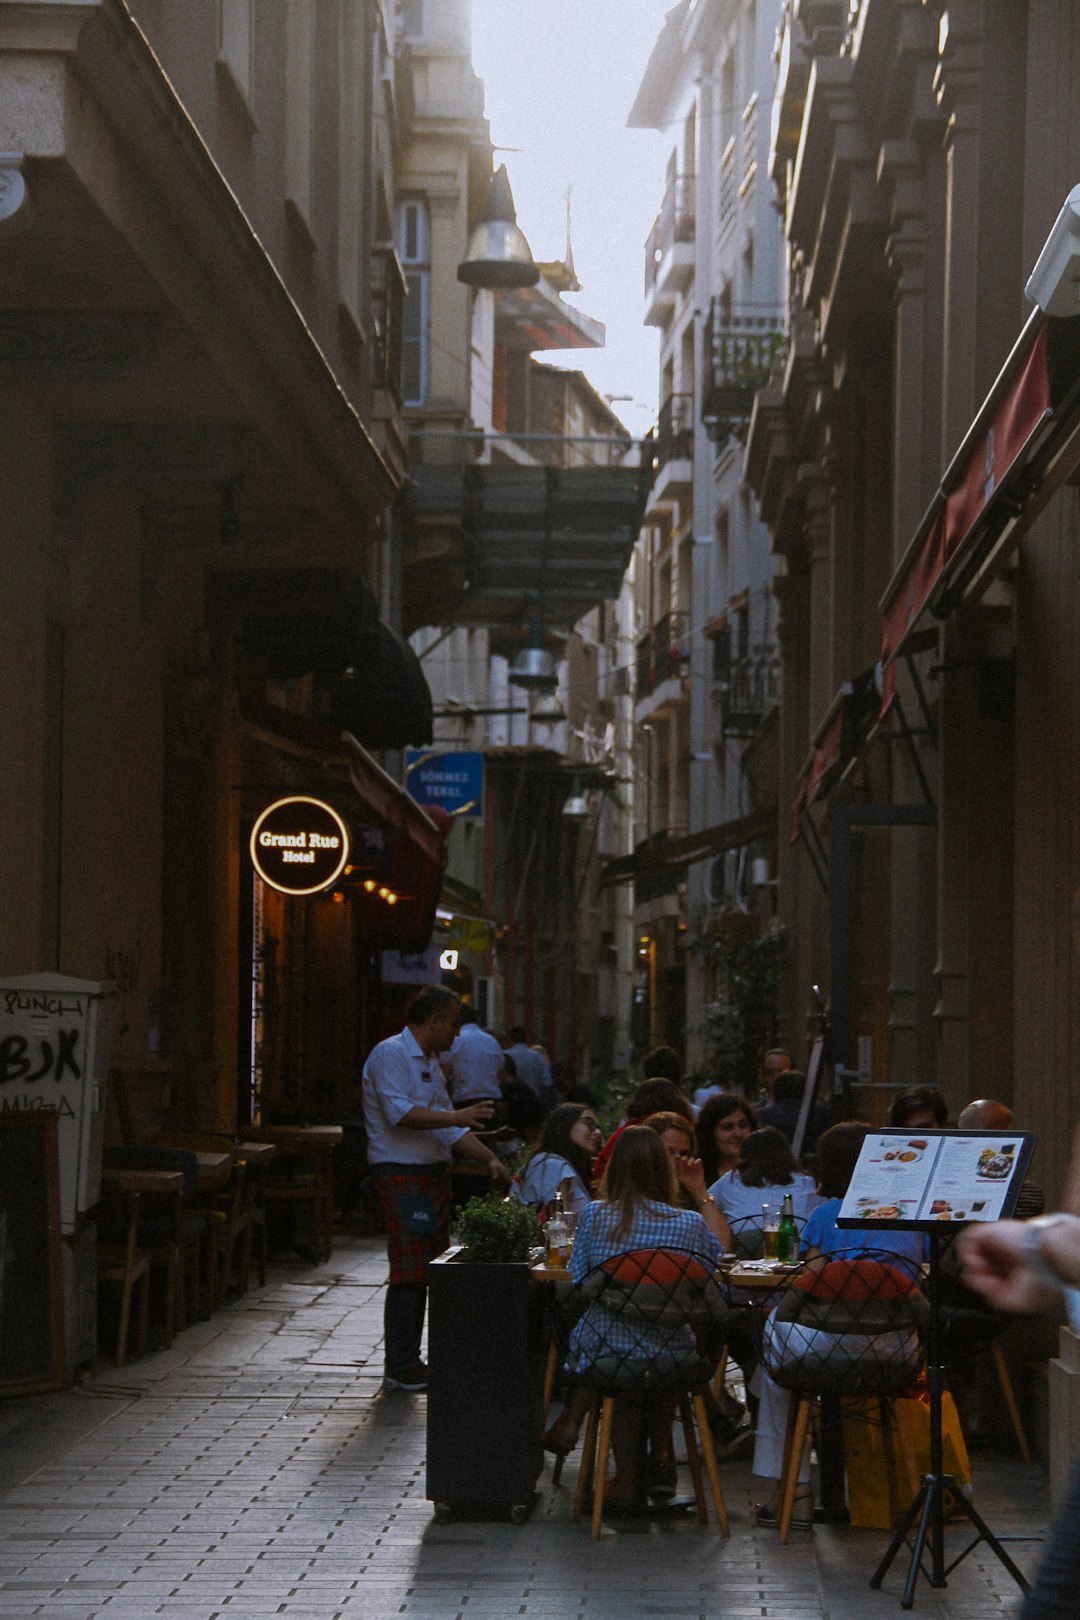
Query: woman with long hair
[637,1209]
[767,1170]
[563,1162]
[677,1135]
[722,1127]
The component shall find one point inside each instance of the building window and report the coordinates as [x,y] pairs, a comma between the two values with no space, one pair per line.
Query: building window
[234,43]
[413,19]
[414,251]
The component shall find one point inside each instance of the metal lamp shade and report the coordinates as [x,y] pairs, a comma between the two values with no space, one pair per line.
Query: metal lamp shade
[498,254]
[534,669]
[548,710]
[576,807]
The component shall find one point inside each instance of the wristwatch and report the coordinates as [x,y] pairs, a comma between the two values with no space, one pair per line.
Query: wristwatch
[1033,1250]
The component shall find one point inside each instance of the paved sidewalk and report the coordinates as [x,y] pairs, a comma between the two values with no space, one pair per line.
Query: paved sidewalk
[255,1469]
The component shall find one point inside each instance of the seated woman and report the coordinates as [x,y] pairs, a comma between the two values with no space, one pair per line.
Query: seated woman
[651,1097]
[722,1127]
[823,1241]
[766,1171]
[563,1162]
[677,1135]
[636,1210]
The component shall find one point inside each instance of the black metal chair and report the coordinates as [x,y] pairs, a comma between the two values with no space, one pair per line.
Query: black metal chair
[642,1335]
[850,1327]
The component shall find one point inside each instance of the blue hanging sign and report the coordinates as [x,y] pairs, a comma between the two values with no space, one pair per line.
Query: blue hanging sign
[454,782]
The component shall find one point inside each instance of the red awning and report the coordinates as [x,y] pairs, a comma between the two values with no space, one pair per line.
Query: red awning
[837,740]
[977,480]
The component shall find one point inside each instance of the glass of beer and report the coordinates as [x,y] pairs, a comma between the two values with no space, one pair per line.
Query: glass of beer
[770,1222]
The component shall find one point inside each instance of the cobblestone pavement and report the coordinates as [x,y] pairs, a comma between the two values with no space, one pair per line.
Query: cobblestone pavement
[255,1469]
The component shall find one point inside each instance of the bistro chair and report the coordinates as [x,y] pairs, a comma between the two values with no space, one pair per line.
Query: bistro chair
[121,1262]
[850,1328]
[170,1231]
[647,1315]
[229,1215]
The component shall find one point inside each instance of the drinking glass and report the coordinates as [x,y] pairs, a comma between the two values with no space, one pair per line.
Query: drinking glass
[770,1222]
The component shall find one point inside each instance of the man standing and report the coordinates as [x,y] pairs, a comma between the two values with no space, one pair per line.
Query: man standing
[413,1129]
[532,1067]
[474,1062]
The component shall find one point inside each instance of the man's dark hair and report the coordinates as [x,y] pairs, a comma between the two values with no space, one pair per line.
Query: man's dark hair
[432,1002]
[788,1086]
[518,1034]
[838,1152]
[914,1101]
[469,1014]
[657,1096]
[662,1063]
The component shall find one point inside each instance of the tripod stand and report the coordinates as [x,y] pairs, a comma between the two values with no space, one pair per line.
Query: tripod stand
[929,1506]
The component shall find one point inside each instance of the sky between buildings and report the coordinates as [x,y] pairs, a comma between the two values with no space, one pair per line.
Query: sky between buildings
[560,77]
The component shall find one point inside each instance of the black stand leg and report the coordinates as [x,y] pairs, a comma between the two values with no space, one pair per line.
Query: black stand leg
[929,1505]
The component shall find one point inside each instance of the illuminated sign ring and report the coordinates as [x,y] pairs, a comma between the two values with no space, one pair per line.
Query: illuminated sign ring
[285,835]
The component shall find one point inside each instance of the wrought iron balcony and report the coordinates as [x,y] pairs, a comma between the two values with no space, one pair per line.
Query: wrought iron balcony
[752,688]
[676,222]
[675,430]
[741,348]
[662,655]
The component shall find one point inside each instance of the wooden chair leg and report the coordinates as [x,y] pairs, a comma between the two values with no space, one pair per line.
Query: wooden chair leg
[792,1460]
[1009,1395]
[708,1451]
[126,1291]
[144,1311]
[693,1459]
[588,1457]
[603,1448]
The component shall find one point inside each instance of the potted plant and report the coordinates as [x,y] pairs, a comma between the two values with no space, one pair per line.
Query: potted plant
[486,1346]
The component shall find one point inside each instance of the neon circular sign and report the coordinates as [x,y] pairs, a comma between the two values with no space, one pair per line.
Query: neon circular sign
[299,845]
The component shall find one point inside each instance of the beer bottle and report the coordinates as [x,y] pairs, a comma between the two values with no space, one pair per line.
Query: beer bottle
[789,1232]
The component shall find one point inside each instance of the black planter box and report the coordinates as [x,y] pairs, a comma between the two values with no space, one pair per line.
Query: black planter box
[486,1347]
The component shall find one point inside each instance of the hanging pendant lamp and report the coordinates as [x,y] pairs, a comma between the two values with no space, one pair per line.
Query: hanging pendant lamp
[534,667]
[498,254]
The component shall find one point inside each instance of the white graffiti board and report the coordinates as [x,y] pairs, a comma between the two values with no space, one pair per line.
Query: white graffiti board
[54,1049]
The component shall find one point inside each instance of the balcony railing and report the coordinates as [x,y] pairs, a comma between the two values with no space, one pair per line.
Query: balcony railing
[751,690]
[662,655]
[675,430]
[741,348]
[675,222]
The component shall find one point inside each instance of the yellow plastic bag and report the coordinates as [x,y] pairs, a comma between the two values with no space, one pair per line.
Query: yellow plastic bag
[864,1454]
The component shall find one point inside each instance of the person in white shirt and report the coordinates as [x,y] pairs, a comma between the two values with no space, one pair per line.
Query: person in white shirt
[413,1129]
[474,1064]
[532,1067]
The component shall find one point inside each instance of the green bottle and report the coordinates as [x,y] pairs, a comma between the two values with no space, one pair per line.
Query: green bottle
[789,1233]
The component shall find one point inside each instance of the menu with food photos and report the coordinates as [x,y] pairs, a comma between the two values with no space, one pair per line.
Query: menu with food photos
[923,1177]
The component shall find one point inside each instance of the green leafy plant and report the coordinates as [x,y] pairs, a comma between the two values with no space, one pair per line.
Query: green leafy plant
[741,1022]
[493,1230]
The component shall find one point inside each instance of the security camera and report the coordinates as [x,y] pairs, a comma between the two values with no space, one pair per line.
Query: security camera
[1054,284]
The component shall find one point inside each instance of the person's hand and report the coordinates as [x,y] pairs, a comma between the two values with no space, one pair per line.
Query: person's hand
[500,1175]
[476,1115]
[994,1264]
[691,1175]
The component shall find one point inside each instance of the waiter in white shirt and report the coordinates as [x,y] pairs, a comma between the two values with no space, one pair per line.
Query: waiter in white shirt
[413,1129]
[474,1064]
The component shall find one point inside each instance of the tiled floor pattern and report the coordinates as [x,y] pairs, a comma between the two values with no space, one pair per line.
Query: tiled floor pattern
[256,1470]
